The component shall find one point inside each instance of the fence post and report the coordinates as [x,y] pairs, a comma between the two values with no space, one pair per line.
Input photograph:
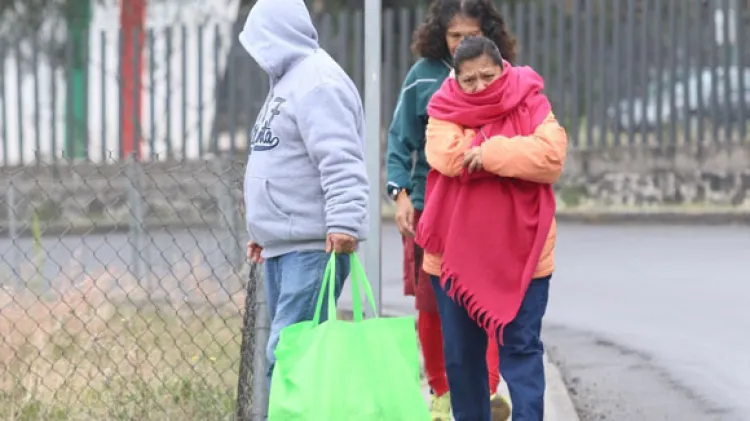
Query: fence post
[252,387]
[261,332]
[137,226]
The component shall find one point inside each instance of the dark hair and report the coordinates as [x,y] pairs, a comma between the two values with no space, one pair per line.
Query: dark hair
[473,47]
[429,38]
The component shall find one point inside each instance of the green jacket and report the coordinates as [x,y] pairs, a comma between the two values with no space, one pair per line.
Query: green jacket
[406,136]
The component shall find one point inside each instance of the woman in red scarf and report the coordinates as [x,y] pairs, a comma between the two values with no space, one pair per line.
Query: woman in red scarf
[488,227]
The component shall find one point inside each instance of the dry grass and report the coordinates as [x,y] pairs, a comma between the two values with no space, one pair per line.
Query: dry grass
[98,348]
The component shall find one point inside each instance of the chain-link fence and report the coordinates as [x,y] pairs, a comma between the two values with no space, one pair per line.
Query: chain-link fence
[123,291]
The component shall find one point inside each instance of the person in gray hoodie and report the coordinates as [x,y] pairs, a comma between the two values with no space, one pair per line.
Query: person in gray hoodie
[306,187]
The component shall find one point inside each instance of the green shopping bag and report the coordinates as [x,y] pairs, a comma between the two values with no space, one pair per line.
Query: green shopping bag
[365,370]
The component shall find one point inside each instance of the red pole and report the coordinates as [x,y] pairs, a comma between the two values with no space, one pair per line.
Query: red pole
[132,23]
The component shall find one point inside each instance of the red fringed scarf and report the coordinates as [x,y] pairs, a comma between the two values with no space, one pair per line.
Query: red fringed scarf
[490,230]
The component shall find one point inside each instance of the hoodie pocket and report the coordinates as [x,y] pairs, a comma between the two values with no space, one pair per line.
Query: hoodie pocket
[267,222]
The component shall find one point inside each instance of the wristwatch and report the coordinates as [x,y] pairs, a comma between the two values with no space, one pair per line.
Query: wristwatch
[394,191]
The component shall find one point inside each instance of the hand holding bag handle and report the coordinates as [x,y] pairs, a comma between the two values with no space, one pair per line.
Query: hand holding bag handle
[359,278]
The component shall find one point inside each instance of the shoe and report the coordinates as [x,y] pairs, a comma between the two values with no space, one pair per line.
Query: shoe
[499,408]
[440,407]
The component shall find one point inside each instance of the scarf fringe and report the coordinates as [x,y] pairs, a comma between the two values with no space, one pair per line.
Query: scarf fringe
[462,295]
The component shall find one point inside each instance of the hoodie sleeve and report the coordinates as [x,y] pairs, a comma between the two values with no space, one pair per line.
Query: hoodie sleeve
[329,120]
[538,158]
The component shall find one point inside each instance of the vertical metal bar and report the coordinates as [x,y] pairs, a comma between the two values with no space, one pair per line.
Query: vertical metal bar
[404,32]
[152,94]
[645,66]
[728,106]
[85,127]
[232,83]
[589,70]
[574,67]
[673,77]
[547,52]
[714,60]
[200,91]
[102,98]
[629,70]
[183,119]
[602,80]
[372,116]
[699,44]
[714,57]
[531,43]
[261,328]
[136,94]
[342,37]
[659,97]
[37,108]
[742,82]
[359,47]
[324,33]
[103,89]
[419,17]
[616,65]
[70,121]
[387,84]
[168,99]
[19,101]
[120,97]
[562,59]
[519,26]
[506,12]
[4,103]
[217,87]
[53,108]
[686,76]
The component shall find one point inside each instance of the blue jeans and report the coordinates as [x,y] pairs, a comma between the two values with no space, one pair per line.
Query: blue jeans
[293,282]
[521,357]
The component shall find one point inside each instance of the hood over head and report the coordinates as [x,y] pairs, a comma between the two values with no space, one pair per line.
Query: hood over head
[278,34]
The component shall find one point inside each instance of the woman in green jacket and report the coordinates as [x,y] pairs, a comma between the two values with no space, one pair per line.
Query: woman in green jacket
[447,24]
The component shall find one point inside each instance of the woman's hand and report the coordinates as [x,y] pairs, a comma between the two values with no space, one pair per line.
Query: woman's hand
[405,215]
[473,159]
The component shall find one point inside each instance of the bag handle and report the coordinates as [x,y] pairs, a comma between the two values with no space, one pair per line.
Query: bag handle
[329,279]
[359,277]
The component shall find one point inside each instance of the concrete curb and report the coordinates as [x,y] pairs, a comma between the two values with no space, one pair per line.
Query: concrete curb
[559,405]
[558,398]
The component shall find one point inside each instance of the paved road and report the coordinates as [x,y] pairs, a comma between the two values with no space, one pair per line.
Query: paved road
[647,323]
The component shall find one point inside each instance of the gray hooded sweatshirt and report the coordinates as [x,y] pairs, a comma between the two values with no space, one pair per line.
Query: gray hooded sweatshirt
[306,175]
